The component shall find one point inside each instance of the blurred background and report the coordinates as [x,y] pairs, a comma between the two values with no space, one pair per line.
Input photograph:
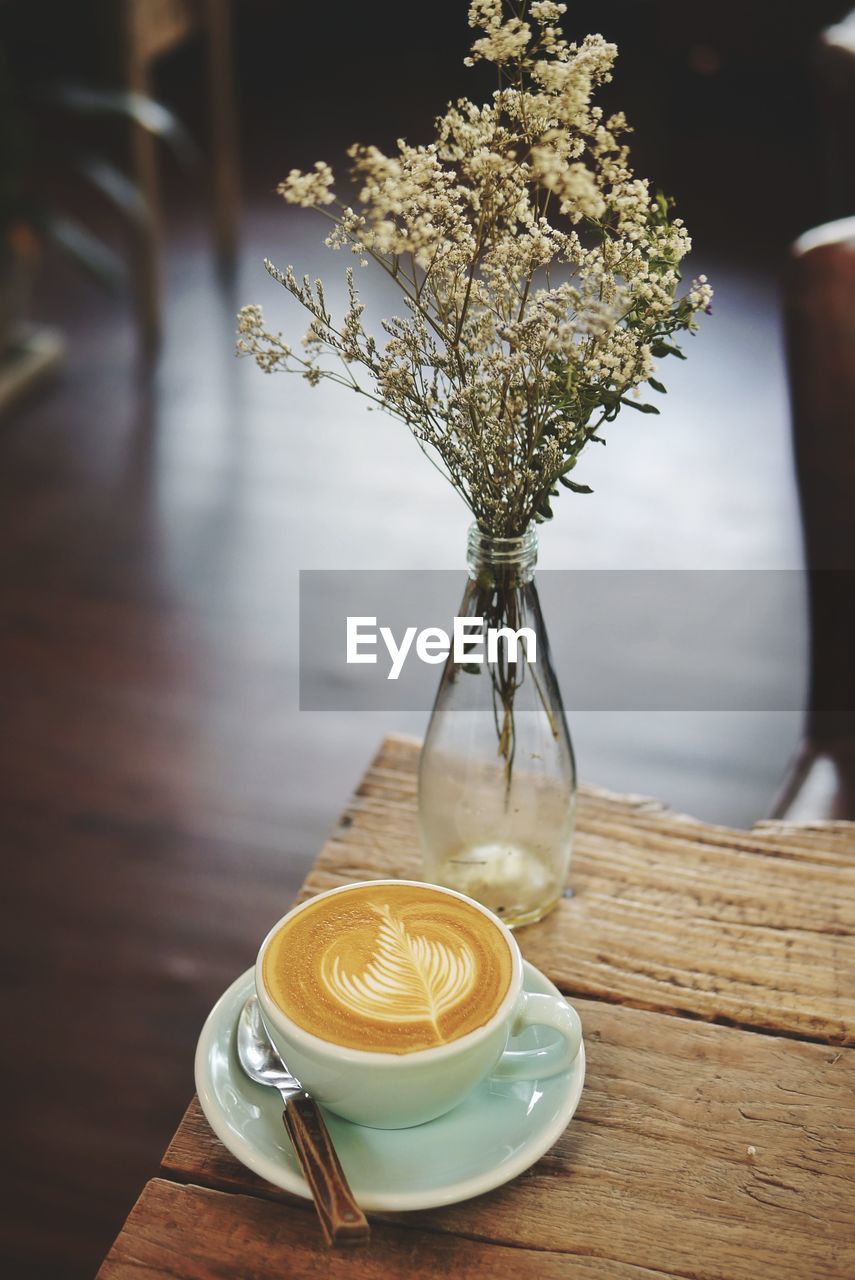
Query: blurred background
[162,795]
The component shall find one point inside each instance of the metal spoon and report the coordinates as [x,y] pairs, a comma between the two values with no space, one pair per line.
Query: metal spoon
[342,1220]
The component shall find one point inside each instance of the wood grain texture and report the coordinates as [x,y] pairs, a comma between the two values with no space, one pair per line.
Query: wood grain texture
[210,1234]
[696,1151]
[699,1151]
[754,928]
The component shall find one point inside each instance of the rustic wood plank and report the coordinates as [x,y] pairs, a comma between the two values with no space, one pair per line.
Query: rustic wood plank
[199,1234]
[697,1150]
[754,928]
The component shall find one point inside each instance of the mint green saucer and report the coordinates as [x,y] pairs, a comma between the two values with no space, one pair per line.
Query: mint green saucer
[500,1130]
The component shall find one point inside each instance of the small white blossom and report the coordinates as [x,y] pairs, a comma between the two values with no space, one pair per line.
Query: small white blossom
[308,189]
[547,11]
[701,294]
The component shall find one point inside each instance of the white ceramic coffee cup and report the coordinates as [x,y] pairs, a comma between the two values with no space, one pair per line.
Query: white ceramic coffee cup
[394,1091]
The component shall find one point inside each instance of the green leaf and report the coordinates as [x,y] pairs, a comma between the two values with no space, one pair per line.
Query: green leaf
[660,349]
[657,386]
[642,408]
[577,488]
[664,205]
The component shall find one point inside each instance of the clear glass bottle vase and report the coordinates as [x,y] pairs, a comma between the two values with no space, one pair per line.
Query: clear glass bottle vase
[497,778]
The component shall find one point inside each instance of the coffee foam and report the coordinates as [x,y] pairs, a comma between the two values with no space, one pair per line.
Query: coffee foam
[390,969]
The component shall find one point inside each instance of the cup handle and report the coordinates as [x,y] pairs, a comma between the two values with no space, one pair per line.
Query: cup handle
[550,1060]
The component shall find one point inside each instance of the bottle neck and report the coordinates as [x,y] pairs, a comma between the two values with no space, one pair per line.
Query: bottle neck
[510,561]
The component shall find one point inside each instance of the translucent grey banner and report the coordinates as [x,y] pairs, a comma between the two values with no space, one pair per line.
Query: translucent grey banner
[657,640]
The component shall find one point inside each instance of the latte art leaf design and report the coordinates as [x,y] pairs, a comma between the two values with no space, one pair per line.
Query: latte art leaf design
[410,978]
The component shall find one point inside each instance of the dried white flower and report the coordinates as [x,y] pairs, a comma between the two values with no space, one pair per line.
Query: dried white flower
[540,276]
[309,189]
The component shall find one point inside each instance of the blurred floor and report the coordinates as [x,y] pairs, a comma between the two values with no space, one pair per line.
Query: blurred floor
[162,796]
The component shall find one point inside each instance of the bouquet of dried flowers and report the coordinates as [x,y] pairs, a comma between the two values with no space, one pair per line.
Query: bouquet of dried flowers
[539,275]
[540,284]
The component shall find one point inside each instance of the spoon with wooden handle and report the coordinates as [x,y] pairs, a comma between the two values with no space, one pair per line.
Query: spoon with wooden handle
[342,1220]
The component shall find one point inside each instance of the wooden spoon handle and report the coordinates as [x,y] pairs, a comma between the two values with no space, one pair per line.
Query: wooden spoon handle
[342,1220]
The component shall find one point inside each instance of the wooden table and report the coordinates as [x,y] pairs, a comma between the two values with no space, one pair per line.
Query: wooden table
[715,974]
